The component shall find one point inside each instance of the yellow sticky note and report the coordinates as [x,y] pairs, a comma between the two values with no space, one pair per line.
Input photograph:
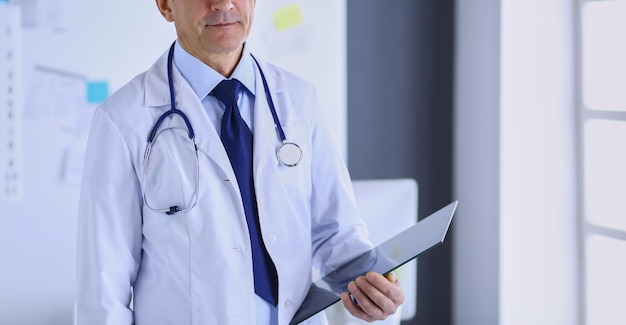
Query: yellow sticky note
[288,17]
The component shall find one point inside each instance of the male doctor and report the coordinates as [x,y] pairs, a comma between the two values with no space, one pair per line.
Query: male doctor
[243,230]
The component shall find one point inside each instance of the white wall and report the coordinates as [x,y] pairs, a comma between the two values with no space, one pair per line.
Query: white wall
[515,164]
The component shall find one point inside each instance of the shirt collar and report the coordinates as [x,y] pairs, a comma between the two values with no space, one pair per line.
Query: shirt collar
[202,78]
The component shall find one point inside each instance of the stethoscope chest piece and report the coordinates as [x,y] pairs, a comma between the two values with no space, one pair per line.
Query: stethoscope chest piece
[289,154]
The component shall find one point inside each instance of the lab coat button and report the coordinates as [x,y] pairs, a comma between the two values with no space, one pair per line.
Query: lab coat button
[273,239]
[288,303]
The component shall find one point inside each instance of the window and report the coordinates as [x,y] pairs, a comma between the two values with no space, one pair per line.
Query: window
[602,135]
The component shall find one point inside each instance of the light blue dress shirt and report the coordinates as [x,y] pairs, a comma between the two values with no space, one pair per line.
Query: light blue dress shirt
[202,80]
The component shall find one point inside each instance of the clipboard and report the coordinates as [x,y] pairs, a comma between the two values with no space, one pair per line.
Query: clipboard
[384,258]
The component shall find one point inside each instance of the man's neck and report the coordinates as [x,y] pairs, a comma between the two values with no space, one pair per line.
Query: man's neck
[224,63]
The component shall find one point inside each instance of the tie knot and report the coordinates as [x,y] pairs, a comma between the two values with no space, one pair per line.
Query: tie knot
[226,91]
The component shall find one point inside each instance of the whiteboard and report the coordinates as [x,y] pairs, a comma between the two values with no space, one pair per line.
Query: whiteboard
[74,42]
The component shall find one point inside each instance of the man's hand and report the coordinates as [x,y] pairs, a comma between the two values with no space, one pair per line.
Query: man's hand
[376,296]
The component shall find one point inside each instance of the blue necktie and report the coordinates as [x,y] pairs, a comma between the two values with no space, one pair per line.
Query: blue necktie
[237,140]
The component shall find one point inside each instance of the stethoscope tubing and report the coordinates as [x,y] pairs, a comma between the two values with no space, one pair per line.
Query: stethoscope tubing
[288,153]
[174,110]
[175,208]
[270,102]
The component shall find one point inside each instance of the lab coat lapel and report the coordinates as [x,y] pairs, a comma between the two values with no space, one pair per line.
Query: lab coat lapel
[266,138]
[207,138]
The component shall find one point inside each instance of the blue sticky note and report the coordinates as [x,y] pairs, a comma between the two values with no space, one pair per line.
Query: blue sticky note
[97,91]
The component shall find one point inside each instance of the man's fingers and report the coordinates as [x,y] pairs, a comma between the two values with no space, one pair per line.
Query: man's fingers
[354,309]
[389,286]
[369,298]
[376,296]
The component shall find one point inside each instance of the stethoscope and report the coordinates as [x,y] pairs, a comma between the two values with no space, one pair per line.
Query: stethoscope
[288,153]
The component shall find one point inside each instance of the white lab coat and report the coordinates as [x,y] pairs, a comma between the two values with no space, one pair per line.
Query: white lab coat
[196,267]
